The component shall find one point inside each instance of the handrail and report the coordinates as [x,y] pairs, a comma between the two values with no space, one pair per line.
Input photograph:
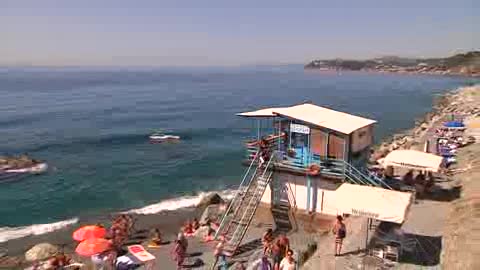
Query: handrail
[289,188]
[350,173]
[222,223]
[252,199]
[293,212]
[248,206]
[366,177]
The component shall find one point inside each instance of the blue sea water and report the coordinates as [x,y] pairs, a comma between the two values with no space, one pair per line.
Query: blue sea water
[92,127]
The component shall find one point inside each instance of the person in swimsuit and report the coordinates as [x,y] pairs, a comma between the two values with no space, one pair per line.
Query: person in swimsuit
[340,232]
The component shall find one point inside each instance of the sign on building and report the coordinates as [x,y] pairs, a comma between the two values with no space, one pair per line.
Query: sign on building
[297,128]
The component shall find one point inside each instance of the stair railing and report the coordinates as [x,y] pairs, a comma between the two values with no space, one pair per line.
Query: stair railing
[254,198]
[252,203]
[238,193]
[290,193]
[360,174]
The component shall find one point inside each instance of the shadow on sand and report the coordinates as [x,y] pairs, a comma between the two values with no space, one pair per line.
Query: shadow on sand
[283,225]
[442,194]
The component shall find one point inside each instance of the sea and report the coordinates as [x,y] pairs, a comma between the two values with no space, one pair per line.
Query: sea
[91,126]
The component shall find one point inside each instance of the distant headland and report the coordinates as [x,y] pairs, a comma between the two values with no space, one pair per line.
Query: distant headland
[464,64]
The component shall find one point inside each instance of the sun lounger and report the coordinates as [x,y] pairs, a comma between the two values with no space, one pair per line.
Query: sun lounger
[140,255]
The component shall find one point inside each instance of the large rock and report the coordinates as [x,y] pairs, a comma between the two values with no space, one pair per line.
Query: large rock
[41,251]
[213,212]
[209,199]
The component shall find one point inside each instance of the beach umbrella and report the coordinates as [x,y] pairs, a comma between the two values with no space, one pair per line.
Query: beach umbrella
[93,246]
[453,124]
[90,231]
[41,251]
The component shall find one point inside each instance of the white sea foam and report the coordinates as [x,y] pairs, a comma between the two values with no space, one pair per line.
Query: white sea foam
[9,233]
[178,203]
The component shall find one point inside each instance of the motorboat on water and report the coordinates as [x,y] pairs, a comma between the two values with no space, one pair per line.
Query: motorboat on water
[161,137]
[35,169]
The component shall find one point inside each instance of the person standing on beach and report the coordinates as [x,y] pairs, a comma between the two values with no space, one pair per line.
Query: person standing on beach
[183,239]
[178,253]
[340,232]
[279,250]
[288,263]
[267,240]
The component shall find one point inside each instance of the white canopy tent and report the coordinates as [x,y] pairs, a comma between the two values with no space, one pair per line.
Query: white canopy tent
[373,202]
[412,159]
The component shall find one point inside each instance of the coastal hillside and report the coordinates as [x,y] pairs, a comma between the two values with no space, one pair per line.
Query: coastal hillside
[460,64]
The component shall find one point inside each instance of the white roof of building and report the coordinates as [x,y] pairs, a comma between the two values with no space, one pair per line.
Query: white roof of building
[268,112]
[316,115]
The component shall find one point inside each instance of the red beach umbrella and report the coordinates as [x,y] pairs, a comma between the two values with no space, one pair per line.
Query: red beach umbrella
[90,231]
[93,246]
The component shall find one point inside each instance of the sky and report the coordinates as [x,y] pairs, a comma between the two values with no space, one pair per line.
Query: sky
[205,33]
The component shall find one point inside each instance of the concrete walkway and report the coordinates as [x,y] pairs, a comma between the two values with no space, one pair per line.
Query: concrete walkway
[353,248]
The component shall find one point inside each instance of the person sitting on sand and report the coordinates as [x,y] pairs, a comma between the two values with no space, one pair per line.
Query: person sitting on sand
[156,238]
[210,235]
[188,228]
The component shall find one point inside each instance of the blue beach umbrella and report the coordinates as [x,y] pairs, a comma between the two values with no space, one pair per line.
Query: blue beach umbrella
[453,124]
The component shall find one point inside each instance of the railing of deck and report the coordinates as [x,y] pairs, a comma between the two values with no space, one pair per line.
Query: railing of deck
[335,168]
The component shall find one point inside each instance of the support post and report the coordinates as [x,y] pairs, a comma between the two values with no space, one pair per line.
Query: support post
[290,135]
[279,134]
[369,221]
[309,187]
[258,130]
[327,135]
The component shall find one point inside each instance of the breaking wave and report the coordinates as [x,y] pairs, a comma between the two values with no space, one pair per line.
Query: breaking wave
[9,233]
[178,203]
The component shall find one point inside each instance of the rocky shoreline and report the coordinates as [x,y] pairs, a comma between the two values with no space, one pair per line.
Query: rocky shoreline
[466,64]
[456,102]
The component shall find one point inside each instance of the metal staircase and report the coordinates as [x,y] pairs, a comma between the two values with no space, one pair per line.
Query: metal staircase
[239,215]
[356,176]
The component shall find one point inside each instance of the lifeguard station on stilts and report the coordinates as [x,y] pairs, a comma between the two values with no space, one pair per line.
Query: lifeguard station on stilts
[308,157]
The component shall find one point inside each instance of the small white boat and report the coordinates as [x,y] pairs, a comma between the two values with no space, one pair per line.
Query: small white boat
[35,169]
[160,137]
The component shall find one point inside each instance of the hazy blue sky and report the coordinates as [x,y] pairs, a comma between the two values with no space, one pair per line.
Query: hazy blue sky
[44,32]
